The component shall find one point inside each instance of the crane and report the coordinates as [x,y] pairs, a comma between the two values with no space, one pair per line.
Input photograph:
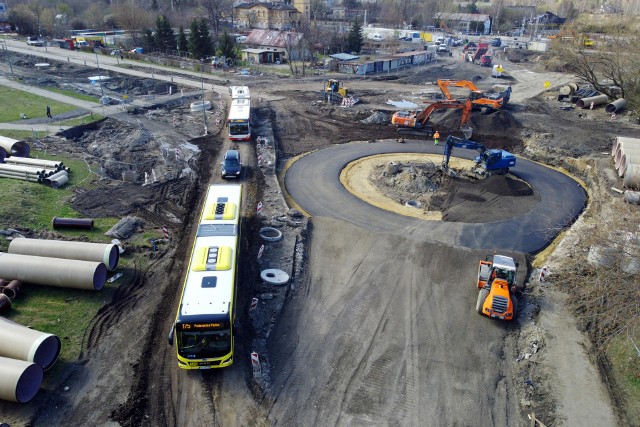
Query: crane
[415,123]
[477,97]
[491,160]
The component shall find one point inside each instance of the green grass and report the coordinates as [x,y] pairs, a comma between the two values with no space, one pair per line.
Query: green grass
[81,120]
[22,134]
[72,94]
[33,106]
[60,311]
[626,369]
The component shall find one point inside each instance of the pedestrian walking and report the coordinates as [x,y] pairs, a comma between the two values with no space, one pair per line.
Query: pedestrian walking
[49,112]
[436,138]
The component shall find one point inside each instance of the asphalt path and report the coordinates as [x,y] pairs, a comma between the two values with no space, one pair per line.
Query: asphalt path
[313,181]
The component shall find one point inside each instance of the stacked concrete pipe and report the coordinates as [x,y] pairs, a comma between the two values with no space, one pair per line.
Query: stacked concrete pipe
[19,380]
[14,147]
[106,253]
[42,163]
[58,272]
[627,148]
[22,343]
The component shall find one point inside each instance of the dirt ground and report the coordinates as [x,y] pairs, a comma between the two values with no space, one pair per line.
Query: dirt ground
[344,334]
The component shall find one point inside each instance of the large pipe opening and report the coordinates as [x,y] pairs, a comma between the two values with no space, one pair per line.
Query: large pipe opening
[14,147]
[106,253]
[19,380]
[22,343]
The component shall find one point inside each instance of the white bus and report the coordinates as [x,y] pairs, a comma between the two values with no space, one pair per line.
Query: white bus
[239,92]
[239,121]
[203,328]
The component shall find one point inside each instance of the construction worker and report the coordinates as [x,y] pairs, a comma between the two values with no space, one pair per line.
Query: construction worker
[436,138]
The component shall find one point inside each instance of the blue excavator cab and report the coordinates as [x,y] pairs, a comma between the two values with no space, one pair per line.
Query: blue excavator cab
[493,161]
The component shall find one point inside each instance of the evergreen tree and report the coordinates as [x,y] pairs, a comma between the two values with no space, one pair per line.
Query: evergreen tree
[148,41]
[164,37]
[355,39]
[183,43]
[227,45]
[200,45]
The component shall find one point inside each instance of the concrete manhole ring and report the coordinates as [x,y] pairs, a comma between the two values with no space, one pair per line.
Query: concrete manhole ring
[200,105]
[414,204]
[274,276]
[270,234]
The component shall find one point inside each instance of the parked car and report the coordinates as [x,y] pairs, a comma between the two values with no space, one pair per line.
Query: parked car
[231,166]
[35,41]
[443,49]
[496,42]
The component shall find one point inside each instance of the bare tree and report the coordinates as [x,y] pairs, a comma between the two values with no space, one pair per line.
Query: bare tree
[132,18]
[215,11]
[612,66]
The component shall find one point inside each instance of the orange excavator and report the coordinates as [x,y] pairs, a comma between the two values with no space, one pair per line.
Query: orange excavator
[479,99]
[415,123]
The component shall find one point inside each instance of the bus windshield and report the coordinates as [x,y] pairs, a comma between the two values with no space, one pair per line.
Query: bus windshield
[204,344]
[238,128]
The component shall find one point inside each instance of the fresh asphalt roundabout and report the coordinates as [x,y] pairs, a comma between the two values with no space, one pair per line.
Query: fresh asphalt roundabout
[313,181]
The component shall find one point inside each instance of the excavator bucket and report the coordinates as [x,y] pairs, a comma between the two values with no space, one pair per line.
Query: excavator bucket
[484,269]
[467,131]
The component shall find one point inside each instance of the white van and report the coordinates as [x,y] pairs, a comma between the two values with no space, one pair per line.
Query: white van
[377,37]
[241,39]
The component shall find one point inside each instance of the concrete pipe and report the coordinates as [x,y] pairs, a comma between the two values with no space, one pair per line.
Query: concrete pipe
[11,289]
[23,168]
[22,343]
[28,161]
[622,141]
[24,178]
[55,175]
[77,223]
[3,155]
[597,100]
[27,174]
[615,106]
[632,158]
[631,178]
[14,147]
[19,380]
[566,90]
[59,181]
[622,151]
[5,302]
[64,273]
[106,253]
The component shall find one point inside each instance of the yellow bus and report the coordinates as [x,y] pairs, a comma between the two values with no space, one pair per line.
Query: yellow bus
[203,329]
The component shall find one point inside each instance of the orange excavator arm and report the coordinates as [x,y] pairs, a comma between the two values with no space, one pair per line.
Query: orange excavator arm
[445,84]
[466,106]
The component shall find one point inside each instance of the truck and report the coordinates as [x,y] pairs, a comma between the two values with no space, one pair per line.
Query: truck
[489,161]
[35,41]
[496,286]
[475,55]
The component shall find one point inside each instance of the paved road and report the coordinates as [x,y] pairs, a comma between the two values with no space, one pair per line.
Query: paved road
[313,181]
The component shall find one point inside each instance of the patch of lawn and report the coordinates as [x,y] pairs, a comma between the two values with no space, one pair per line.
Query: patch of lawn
[33,106]
[72,94]
[60,311]
[81,120]
[22,134]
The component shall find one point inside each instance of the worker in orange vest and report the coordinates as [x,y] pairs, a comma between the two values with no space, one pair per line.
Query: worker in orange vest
[436,138]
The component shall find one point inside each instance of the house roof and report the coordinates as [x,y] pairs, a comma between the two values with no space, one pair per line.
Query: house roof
[344,57]
[273,38]
[469,17]
[550,18]
[271,6]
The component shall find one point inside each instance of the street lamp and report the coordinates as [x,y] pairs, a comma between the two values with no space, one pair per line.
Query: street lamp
[204,109]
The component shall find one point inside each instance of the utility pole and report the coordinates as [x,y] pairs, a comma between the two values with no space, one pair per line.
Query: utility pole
[100,82]
[204,110]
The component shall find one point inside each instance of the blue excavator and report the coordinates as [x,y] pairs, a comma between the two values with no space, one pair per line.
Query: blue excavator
[491,161]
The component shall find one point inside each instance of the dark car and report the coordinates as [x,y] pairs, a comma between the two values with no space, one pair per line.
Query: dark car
[231,166]
[496,42]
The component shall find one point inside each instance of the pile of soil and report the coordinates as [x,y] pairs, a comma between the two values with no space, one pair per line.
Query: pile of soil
[463,198]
